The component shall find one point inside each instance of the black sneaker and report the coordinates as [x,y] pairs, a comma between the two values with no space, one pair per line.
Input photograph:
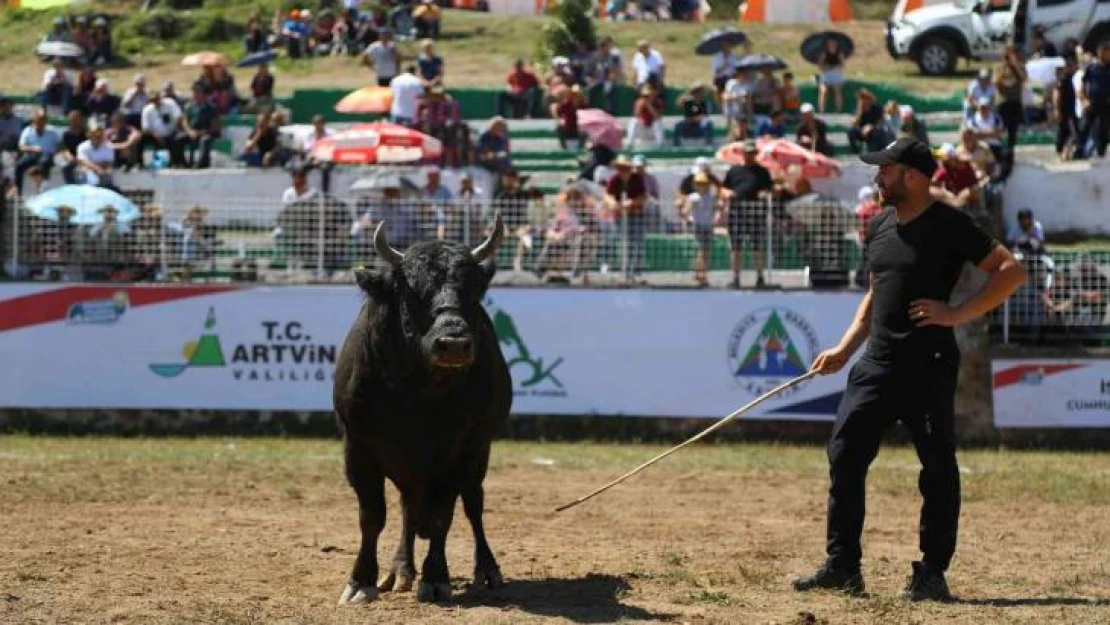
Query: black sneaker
[849,581]
[927,584]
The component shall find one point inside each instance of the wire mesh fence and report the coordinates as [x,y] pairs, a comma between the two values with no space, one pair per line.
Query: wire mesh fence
[572,237]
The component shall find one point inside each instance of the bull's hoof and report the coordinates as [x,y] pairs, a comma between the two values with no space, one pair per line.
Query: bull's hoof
[489,578]
[355,594]
[396,582]
[430,593]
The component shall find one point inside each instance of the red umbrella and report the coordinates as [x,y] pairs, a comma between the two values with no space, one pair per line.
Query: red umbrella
[366,100]
[601,127]
[779,154]
[378,142]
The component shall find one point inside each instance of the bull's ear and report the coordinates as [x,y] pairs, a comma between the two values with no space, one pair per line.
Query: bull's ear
[373,283]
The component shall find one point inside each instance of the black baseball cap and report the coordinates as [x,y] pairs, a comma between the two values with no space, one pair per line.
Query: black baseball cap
[908,151]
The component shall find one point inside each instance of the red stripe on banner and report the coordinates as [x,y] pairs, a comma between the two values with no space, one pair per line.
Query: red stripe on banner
[52,305]
[1013,375]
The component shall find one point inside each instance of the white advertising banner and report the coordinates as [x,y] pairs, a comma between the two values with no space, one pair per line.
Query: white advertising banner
[603,352]
[1051,393]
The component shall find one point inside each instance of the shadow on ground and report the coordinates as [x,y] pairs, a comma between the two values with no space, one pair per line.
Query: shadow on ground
[591,599]
[1004,602]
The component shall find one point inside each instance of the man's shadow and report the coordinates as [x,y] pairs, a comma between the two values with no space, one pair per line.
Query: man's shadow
[594,598]
[1006,602]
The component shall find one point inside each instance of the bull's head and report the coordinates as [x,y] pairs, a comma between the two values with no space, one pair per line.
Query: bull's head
[437,289]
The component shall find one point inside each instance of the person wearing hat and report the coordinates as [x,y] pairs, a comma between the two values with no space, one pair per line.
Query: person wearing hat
[912,125]
[57,86]
[100,51]
[97,158]
[982,86]
[626,197]
[987,127]
[522,92]
[868,129]
[749,185]
[916,249]
[703,209]
[696,104]
[647,113]
[493,149]
[812,132]
[438,115]
[955,181]
[648,67]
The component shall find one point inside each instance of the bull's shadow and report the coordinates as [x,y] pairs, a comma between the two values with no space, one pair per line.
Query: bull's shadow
[594,598]
[1018,602]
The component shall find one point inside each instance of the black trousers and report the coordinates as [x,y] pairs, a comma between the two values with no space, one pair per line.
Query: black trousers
[1097,118]
[920,393]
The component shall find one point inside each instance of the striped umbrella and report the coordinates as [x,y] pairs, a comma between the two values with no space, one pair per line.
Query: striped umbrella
[377,143]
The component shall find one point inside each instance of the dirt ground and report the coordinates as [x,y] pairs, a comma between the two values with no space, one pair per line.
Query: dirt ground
[265,531]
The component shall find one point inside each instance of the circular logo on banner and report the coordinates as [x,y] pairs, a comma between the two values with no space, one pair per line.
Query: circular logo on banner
[771,346]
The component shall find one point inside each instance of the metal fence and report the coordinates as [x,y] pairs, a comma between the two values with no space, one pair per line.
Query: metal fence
[1064,302]
[576,239]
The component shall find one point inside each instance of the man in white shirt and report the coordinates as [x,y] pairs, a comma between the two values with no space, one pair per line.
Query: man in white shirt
[134,101]
[648,66]
[407,90]
[96,158]
[37,145]
[160,121]
[981,87]
[57,86]
[300,191]
[987,126]
[383,56]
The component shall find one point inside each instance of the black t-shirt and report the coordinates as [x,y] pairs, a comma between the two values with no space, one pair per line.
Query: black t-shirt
[746,181]
[1065,98]
[1096,80]
[921,259]
[72,138]
[693,108]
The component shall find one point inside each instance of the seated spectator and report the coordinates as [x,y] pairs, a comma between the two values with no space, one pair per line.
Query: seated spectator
[59,31]
[560,78]
[493,147]
[81,36]
[101,40]
[320,131]
[979,154]
[647,114]
[299,190]
[100,104]
[197,237]
[134,101]
[262,149]
[97,159]
[72,138]
[1026,232]
[296,32]
[57,87]
[955,178]
[580,61]
[561,238]
[987,127]
[813,133]
[436,206]
[160,121]
[868,129]
[522,93]
[977,90]
[790,97]
[404,226]
[617,10]
[438,116]
[407,91]
[221,92]
[426,18]
[429,64]
[170,93]
[200,126]
[262,89]
[383,57]
[125,140]
[912,125]
[648,67]
[604,71]
[37,145]
[596,158]
[256,40]
[11,127]
[85,83]
[565,112]
[766,94]
[775,127]
[323,38]
[696,107]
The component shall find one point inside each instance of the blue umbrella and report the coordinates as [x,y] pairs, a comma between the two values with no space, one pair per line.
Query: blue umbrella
[87,201]
[257,58]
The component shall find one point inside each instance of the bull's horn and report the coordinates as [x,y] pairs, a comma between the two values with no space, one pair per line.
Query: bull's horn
[384,249]
[492,242]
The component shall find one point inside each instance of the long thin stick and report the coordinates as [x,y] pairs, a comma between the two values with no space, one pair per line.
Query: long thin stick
[769,394]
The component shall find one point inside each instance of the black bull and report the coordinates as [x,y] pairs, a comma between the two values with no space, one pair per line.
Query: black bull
[421,389]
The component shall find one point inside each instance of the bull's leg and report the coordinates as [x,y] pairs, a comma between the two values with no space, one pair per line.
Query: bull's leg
[435,580]
[369,487]
[486,571]
[402,571]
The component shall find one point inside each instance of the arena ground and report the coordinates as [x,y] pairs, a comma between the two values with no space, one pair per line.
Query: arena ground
[265,531]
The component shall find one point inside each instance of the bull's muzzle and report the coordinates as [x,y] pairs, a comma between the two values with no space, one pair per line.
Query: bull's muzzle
[452,352]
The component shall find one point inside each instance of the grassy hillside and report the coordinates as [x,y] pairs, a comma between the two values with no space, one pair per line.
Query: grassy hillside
[479,48]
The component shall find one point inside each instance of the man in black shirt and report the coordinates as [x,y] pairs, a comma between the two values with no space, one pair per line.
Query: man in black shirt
[916,251]
[1096,99]
[749,185]
[1067,129]
[695,121]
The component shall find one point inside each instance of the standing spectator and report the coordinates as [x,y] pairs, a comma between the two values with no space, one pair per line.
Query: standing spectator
[774,127]
[523,92]
[626,197]
[868,129]
[647,113]
[97,159]
[1010,83]
[831,65]
[72,138]
[430,64]
[81,35]
[296,32]
[299,190]
[439,199]
[1095,99]
[200,126]
[604,71]
[426,18]
[320,131]
[867,209]
[813,132]
[256,39]
[134,101]
[766,94]
[748,183]
[407,90]
[565,111]
[160,121]
[790,97]
[696,108]
[649,67]
[737,102]
[11,128]
[101,51]
[704,209]
[438,116]
[262,88]
[579,61]
[981,87]
[57,87]
[124,139]
[383,57]
[1027,231]
[1064,99]
[512,200]
[494,152]
[723,66]
[37,145]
